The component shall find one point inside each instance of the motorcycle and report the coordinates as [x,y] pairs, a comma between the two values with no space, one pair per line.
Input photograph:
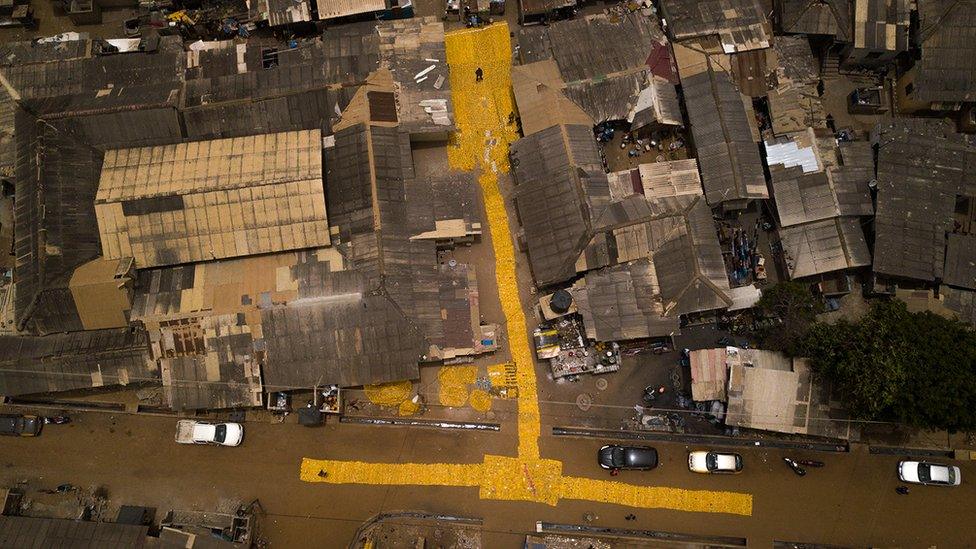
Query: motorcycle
[800,471]
[56,420]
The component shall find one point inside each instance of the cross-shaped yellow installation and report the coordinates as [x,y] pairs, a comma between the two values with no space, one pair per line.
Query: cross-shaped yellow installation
[482,112]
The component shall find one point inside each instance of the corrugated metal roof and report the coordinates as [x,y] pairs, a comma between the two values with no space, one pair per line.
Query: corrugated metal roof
[213,199]
[603,77]
[561,190]
[73,534]
[740,24]
[824,246]
[922,166]
[280,12]
[54,223]
[946,71]
[623,302]
[881,25]
[727,155]
[960,267]
[78,360]
[824,17]
[349,341]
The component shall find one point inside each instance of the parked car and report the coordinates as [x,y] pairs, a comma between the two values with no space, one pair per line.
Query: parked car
[641,458]
[704,461]
[923,472]
[18,425]
[198,432]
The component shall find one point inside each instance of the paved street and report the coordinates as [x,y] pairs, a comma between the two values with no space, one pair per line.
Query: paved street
[851,501]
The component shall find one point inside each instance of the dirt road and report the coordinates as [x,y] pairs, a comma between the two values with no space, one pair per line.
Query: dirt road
[851,501]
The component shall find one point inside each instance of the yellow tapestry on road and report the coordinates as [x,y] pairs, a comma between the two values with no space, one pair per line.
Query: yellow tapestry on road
[483,112]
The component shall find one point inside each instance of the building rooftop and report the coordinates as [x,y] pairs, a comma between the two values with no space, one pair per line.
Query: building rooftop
[822,17]
[671,265]
[792,400]
[54,223]
[922,168]
[623,302]
[960,266]
[806,189]
[561,192]
[881,25]
[602,77]
[77,360]
[241,89]
[823,246]
[947,33]
[216,199]
[721,128]
[52,532]
[794,103]
[740,25]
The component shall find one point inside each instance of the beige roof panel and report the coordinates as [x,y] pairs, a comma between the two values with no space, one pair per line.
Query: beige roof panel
[215,199]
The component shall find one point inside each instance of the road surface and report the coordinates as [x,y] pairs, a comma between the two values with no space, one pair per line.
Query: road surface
[851,501]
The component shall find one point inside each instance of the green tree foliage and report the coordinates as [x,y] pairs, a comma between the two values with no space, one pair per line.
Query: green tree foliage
[916,368]
[794,308]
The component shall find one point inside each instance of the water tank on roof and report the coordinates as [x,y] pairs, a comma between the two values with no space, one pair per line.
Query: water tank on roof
[561,301]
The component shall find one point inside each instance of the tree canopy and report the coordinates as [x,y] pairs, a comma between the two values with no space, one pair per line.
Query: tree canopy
[795,307]
[915,368]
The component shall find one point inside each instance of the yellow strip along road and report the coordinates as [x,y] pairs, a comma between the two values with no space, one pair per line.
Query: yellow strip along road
[483,111]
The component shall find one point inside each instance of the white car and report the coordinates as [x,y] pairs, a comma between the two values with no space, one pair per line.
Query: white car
[713,462]
[922,472]
[198,432]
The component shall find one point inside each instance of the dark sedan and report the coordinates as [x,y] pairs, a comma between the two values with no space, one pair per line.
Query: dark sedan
[19,425]
[641,458]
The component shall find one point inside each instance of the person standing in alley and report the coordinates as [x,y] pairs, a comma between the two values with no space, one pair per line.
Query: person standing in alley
[479,74]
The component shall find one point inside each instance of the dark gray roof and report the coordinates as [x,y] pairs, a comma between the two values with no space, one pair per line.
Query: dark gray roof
[349,340]
[623,302]
[947,32]
[962,302]
[70,534]
[602,76]
[541,7]
[30,51]
[827,17]
[54,222]
[306,88]
[77,360]
[679,270]
[922,167]
[106,101]
[582,50]
[690,268]
[741,23]
[375,321]
[851,180]
[561,192]
[727,155]
[129,78]
[960,266]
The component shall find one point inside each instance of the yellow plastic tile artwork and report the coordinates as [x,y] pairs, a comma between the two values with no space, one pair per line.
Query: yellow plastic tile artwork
[482,112]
